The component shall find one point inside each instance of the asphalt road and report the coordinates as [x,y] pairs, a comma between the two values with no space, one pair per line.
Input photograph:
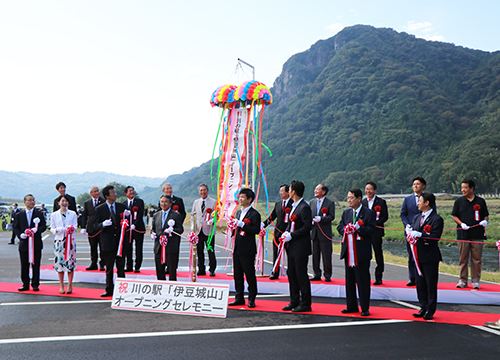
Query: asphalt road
[50,327]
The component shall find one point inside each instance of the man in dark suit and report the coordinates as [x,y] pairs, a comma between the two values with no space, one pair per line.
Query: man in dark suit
[360,222]
[298,248]
[88,219]
[426,227]
[323,213]
[107,221]
[281,221]
[30,219]
[137,228]
[161,227]
[176,201]
[245,249]
[61,187]
[13,214]
[379,206]
[408,211]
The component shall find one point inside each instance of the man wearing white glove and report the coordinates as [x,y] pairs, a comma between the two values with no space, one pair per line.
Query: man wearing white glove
[471,214]
[23,221]
[87,221]
[107,221]
[323,213]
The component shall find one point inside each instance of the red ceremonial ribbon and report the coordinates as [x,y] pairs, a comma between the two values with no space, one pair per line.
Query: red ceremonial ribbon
[69,240]
[477,207]
[193,239]
[163,243]
[176,208]
[135,209]
[428,229]
[31,245]
[232,223]
[324,211]
[247,222]
[281,254]
[207,214]
[378,209]
[352,258]
[293,217]
[413,246]
[124,224]
[258,259]
[287,214]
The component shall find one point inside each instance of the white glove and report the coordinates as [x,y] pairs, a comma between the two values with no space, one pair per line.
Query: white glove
[356,226]
[126,212]
[83,231]
[210,222]
[465,226]
[262,226]
[35,229]
[317,219]
[153,236]
[107,223]
[240,223]
[483,223]
[132,226]
[288,237]
[59,229]
[169,230]
[416,234]
[23,236]
[408,229]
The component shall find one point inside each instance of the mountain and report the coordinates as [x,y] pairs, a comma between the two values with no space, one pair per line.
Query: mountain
[17,184]
[374,104]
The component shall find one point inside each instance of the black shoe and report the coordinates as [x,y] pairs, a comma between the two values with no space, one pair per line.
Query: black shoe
[237,302]
[251,303]
[212,273]
[137,271]
[349,311]
[35,288]
[411,283]
[420,314]
[289,307]
[302,308]
[106,294]
[365,313]
[273,277]
[429,314]
[129,270]
[91,267]
[328,280]
[12,243]
[315,278]
[23,288]
[201,273]
[377,282]
[102,269]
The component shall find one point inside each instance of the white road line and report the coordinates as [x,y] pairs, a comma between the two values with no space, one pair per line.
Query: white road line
[54,302]
[484,328]
[197,332]
[402,303]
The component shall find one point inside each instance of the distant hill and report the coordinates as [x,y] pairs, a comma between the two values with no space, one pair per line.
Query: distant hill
[18,184]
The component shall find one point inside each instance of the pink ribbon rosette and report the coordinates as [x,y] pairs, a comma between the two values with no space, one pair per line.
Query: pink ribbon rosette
[69,240]
[163,243]
[259,257]
[413,247]
[31,245]
[352,258]
[232,224]
[124,224]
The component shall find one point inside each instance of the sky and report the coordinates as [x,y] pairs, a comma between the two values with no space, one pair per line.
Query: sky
[124,86]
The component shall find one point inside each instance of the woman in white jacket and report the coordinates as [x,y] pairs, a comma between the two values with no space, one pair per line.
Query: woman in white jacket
[63,223]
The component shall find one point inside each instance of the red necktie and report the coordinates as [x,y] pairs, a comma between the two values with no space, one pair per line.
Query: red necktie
[422,220]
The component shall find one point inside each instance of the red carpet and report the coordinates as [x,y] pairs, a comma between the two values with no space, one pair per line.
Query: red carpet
[448,317]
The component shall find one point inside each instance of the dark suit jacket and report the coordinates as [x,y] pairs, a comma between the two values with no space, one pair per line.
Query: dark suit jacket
[384,214]
[138,222]
[278,216]
[71,206]
[300,244]
[110,235]
[13,214]
[21,224]
[325,222]
[245,245]
[174,241]
[409,209]
[428,249]
[363,246]
[88,216]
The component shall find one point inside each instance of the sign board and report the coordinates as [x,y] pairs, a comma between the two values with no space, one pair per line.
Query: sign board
[171,297]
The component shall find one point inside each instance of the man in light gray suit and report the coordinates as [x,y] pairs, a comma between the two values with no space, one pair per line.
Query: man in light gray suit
[202,225]
[323,213]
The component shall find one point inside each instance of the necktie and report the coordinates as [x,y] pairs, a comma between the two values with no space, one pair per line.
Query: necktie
[130,203]
[163,217]
[422,220]
[28,213]
[112,207]
[354,216]
[203,206]
[283,207]
[318,207]
[95,202]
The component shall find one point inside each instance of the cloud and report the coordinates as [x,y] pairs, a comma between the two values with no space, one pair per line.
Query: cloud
[335,27]
[419,26]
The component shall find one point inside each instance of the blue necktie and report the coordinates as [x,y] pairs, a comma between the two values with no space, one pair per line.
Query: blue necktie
[164,216]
